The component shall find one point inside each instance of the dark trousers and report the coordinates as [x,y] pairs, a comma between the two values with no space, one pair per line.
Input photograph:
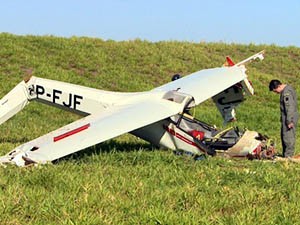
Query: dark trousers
[288,139]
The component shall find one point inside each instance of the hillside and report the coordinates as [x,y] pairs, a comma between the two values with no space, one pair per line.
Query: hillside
[127,181]
[140,65]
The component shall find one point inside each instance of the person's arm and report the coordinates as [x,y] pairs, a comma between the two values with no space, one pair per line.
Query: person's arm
[289,104]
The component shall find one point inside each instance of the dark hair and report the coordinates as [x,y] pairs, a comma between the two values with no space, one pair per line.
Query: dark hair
[274,84]
[176,77]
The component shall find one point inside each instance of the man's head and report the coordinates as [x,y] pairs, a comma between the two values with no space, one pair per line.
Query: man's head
[276,86]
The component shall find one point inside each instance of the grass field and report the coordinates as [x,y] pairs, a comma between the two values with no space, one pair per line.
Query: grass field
[126,180]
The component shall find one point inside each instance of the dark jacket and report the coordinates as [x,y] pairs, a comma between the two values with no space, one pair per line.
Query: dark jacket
[288,106]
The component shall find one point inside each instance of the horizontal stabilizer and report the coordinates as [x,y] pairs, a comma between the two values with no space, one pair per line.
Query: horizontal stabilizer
[259,56]
[13,102]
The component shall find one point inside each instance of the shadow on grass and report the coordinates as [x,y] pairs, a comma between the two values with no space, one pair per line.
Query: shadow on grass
[106,147]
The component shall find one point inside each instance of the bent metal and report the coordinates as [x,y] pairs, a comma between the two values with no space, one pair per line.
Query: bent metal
[168,126]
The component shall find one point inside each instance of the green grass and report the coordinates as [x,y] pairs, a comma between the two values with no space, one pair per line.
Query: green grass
[126,180]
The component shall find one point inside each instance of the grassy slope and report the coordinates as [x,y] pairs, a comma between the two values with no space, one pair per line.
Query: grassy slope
[125,181]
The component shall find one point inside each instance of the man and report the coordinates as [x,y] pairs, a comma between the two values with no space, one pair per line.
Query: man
[289,115]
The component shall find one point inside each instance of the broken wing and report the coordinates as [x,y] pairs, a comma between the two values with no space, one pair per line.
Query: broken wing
[91,130]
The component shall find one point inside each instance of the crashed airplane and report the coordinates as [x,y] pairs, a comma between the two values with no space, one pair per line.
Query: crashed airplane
[109,114]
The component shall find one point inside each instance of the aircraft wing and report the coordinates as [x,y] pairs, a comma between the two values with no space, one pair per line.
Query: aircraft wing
[205,84]
[93,129]
[121,115]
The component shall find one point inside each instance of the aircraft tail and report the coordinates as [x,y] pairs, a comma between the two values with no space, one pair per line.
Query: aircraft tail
[229,61]
[75,98]
[226,101]
[259,55]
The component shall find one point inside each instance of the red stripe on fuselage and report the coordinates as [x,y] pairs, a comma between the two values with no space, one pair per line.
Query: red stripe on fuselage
[71,132]
[179,136]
